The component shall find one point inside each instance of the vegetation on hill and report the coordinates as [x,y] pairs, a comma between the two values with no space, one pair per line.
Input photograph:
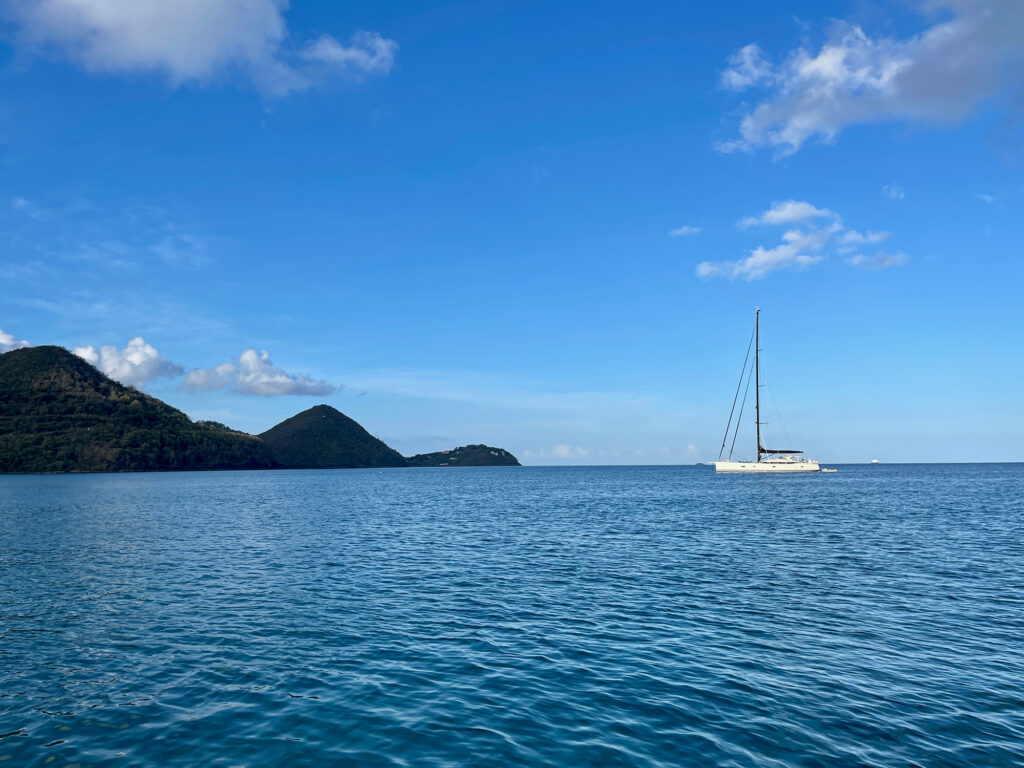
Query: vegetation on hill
[466,456]
[323,437]
[218,425]
[59,414]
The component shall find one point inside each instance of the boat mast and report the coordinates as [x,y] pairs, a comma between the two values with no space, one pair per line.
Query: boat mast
[757,378]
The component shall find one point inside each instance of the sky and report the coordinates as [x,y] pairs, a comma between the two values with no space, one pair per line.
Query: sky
[540,226]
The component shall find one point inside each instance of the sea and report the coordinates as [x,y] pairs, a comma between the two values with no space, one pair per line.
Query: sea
[536,616]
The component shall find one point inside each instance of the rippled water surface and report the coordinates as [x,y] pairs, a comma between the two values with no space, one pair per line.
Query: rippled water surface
[536,616]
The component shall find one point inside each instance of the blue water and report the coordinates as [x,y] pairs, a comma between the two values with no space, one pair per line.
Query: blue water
[536,616]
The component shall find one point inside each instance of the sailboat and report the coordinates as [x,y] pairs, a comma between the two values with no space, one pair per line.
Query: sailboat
[768,459]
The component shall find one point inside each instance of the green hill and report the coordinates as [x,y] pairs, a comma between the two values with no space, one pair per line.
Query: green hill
[59,414]
[323,437]
[466,456]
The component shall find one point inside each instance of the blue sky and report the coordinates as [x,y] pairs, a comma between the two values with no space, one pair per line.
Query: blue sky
[454,221]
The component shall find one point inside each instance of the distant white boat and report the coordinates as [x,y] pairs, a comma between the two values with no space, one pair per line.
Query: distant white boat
[769,460]
[875,461]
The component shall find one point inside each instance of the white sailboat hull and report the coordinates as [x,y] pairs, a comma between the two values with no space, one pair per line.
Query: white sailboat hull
[769,467]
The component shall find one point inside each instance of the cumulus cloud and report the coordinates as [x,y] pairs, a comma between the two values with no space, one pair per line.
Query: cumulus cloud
[254,374]
[8,342]
[801,246]
[683,231]
[786,212]
[939,75]
[136,364]
[196,41]
[878,261]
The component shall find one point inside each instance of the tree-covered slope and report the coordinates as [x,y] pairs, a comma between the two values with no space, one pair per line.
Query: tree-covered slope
[59,414]
[466,456]
[323,437]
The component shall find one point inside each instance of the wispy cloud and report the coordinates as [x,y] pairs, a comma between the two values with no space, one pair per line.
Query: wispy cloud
[26,270]
[941,74]
[985,198]
[26,207]
[474,388]
[526,414]
[569,453]
[853,237]
[196,42]
[176,247]
[254,374]
[878,261]
[136,364]
[121,236]
[684,230]
[560,451]
[893,191]
[367,52]
[96,311]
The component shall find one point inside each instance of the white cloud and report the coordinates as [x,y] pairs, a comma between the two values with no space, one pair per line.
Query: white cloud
[569,452]
[747,67]
[136,364]
[368,52]
[941,74]
[893,191]
[853,237]
[224,376]
[786,212]
[195,40]
[8,342]
[800,247]
[985,198]
[878,261]
[254,374]
[683,231]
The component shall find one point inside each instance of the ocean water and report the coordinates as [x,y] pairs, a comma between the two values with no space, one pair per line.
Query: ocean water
[622,616]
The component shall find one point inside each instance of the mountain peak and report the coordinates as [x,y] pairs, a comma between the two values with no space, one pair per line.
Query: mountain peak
[60,414]
[41,363]
[323,437]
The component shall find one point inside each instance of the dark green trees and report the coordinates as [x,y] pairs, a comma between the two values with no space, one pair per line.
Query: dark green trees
[59,414]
